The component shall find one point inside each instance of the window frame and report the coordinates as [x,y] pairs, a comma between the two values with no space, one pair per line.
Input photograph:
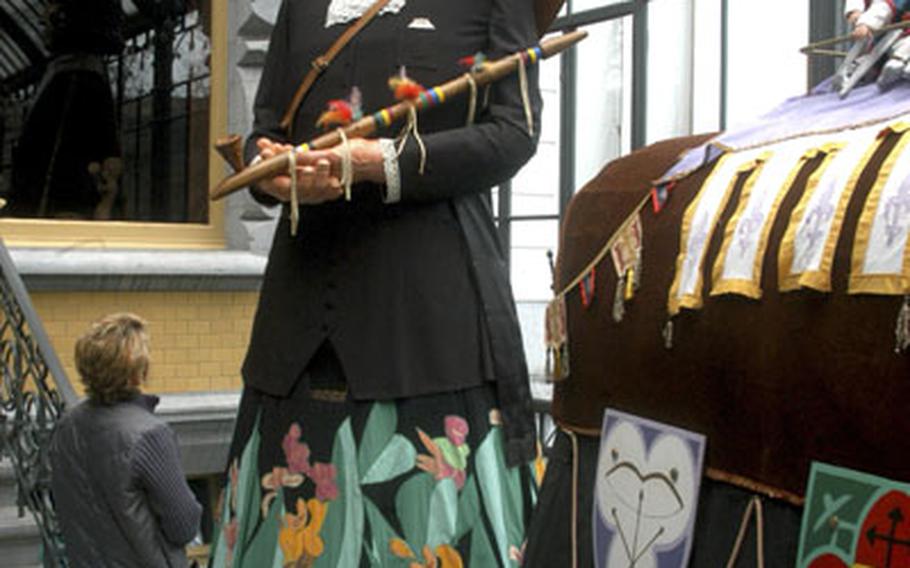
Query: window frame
[137,234]
[638,10]
[825,22]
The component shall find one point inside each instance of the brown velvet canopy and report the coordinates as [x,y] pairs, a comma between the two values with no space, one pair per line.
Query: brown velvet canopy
[772,383]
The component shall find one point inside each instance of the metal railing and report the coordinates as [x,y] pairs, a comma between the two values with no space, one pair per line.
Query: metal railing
[34,390]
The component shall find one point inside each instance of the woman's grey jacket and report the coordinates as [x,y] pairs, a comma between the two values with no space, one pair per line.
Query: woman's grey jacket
[119,489]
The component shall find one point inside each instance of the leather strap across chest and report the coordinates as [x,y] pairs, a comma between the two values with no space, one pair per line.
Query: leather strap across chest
[322,62]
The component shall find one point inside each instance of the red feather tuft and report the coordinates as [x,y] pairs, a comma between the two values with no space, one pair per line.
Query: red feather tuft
[407,91]
[338,114]
[405,88]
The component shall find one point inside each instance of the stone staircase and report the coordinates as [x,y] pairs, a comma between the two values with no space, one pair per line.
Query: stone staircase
[20,541]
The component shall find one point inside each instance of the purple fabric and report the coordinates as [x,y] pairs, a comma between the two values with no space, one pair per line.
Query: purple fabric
[819,112]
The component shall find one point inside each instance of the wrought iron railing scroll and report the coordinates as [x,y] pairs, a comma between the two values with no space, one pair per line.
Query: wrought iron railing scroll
[34,391]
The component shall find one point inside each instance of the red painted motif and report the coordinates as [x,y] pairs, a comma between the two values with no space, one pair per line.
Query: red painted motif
[884,540]
[827,561]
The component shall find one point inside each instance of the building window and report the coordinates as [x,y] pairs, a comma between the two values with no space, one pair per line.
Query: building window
[106,110]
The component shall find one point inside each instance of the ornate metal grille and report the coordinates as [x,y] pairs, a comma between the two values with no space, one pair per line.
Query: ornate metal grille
[34,390]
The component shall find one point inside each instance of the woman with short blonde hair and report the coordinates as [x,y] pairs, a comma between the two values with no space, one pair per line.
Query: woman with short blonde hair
[112,357]
[119,488]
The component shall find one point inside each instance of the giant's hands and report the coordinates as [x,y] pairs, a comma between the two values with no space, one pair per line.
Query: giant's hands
[319,171]
[315,182]
[366,159]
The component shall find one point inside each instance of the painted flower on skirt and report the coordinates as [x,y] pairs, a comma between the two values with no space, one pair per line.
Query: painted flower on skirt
[279,477]
[518,554]
[540,465]
[299,537]
[230,534]
[323,475]
[296,453]
[456,429]
[229,530]
[443,557]
[449,455]
[234,476]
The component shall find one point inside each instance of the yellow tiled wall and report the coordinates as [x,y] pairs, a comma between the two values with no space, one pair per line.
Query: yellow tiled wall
[198,339]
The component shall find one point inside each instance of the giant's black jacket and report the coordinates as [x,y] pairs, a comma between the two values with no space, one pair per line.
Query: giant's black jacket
[413,296]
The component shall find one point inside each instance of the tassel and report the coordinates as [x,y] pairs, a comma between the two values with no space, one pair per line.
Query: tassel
[472,100]
[409,128]
[556,339]
[347,166]
[626,254]
[619,304]
[629,281]
[525,99]
[558,371]
[902,328]
[295,205]
[586,287]
[668,334]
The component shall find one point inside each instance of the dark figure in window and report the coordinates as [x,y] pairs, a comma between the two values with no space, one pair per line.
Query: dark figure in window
[67,161]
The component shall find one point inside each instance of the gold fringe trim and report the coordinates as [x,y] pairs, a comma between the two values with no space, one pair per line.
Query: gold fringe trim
[693,300]
[890,284]
[788,281]
[752,288]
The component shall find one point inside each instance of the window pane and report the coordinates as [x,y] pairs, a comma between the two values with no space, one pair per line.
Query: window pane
[531,318]
[706,66]
[531,281]
[603,113]
[118,126]
[669,69]
[531,276]
[759,79]
[535,189]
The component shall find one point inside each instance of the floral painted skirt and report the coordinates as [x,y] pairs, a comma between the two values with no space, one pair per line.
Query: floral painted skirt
[317,479]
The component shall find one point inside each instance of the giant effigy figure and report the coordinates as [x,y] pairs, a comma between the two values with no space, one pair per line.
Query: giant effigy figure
[386,414]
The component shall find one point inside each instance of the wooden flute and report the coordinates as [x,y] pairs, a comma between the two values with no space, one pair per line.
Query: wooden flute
[230,148]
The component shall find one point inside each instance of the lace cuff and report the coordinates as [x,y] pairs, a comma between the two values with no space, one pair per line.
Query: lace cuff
[392,193]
